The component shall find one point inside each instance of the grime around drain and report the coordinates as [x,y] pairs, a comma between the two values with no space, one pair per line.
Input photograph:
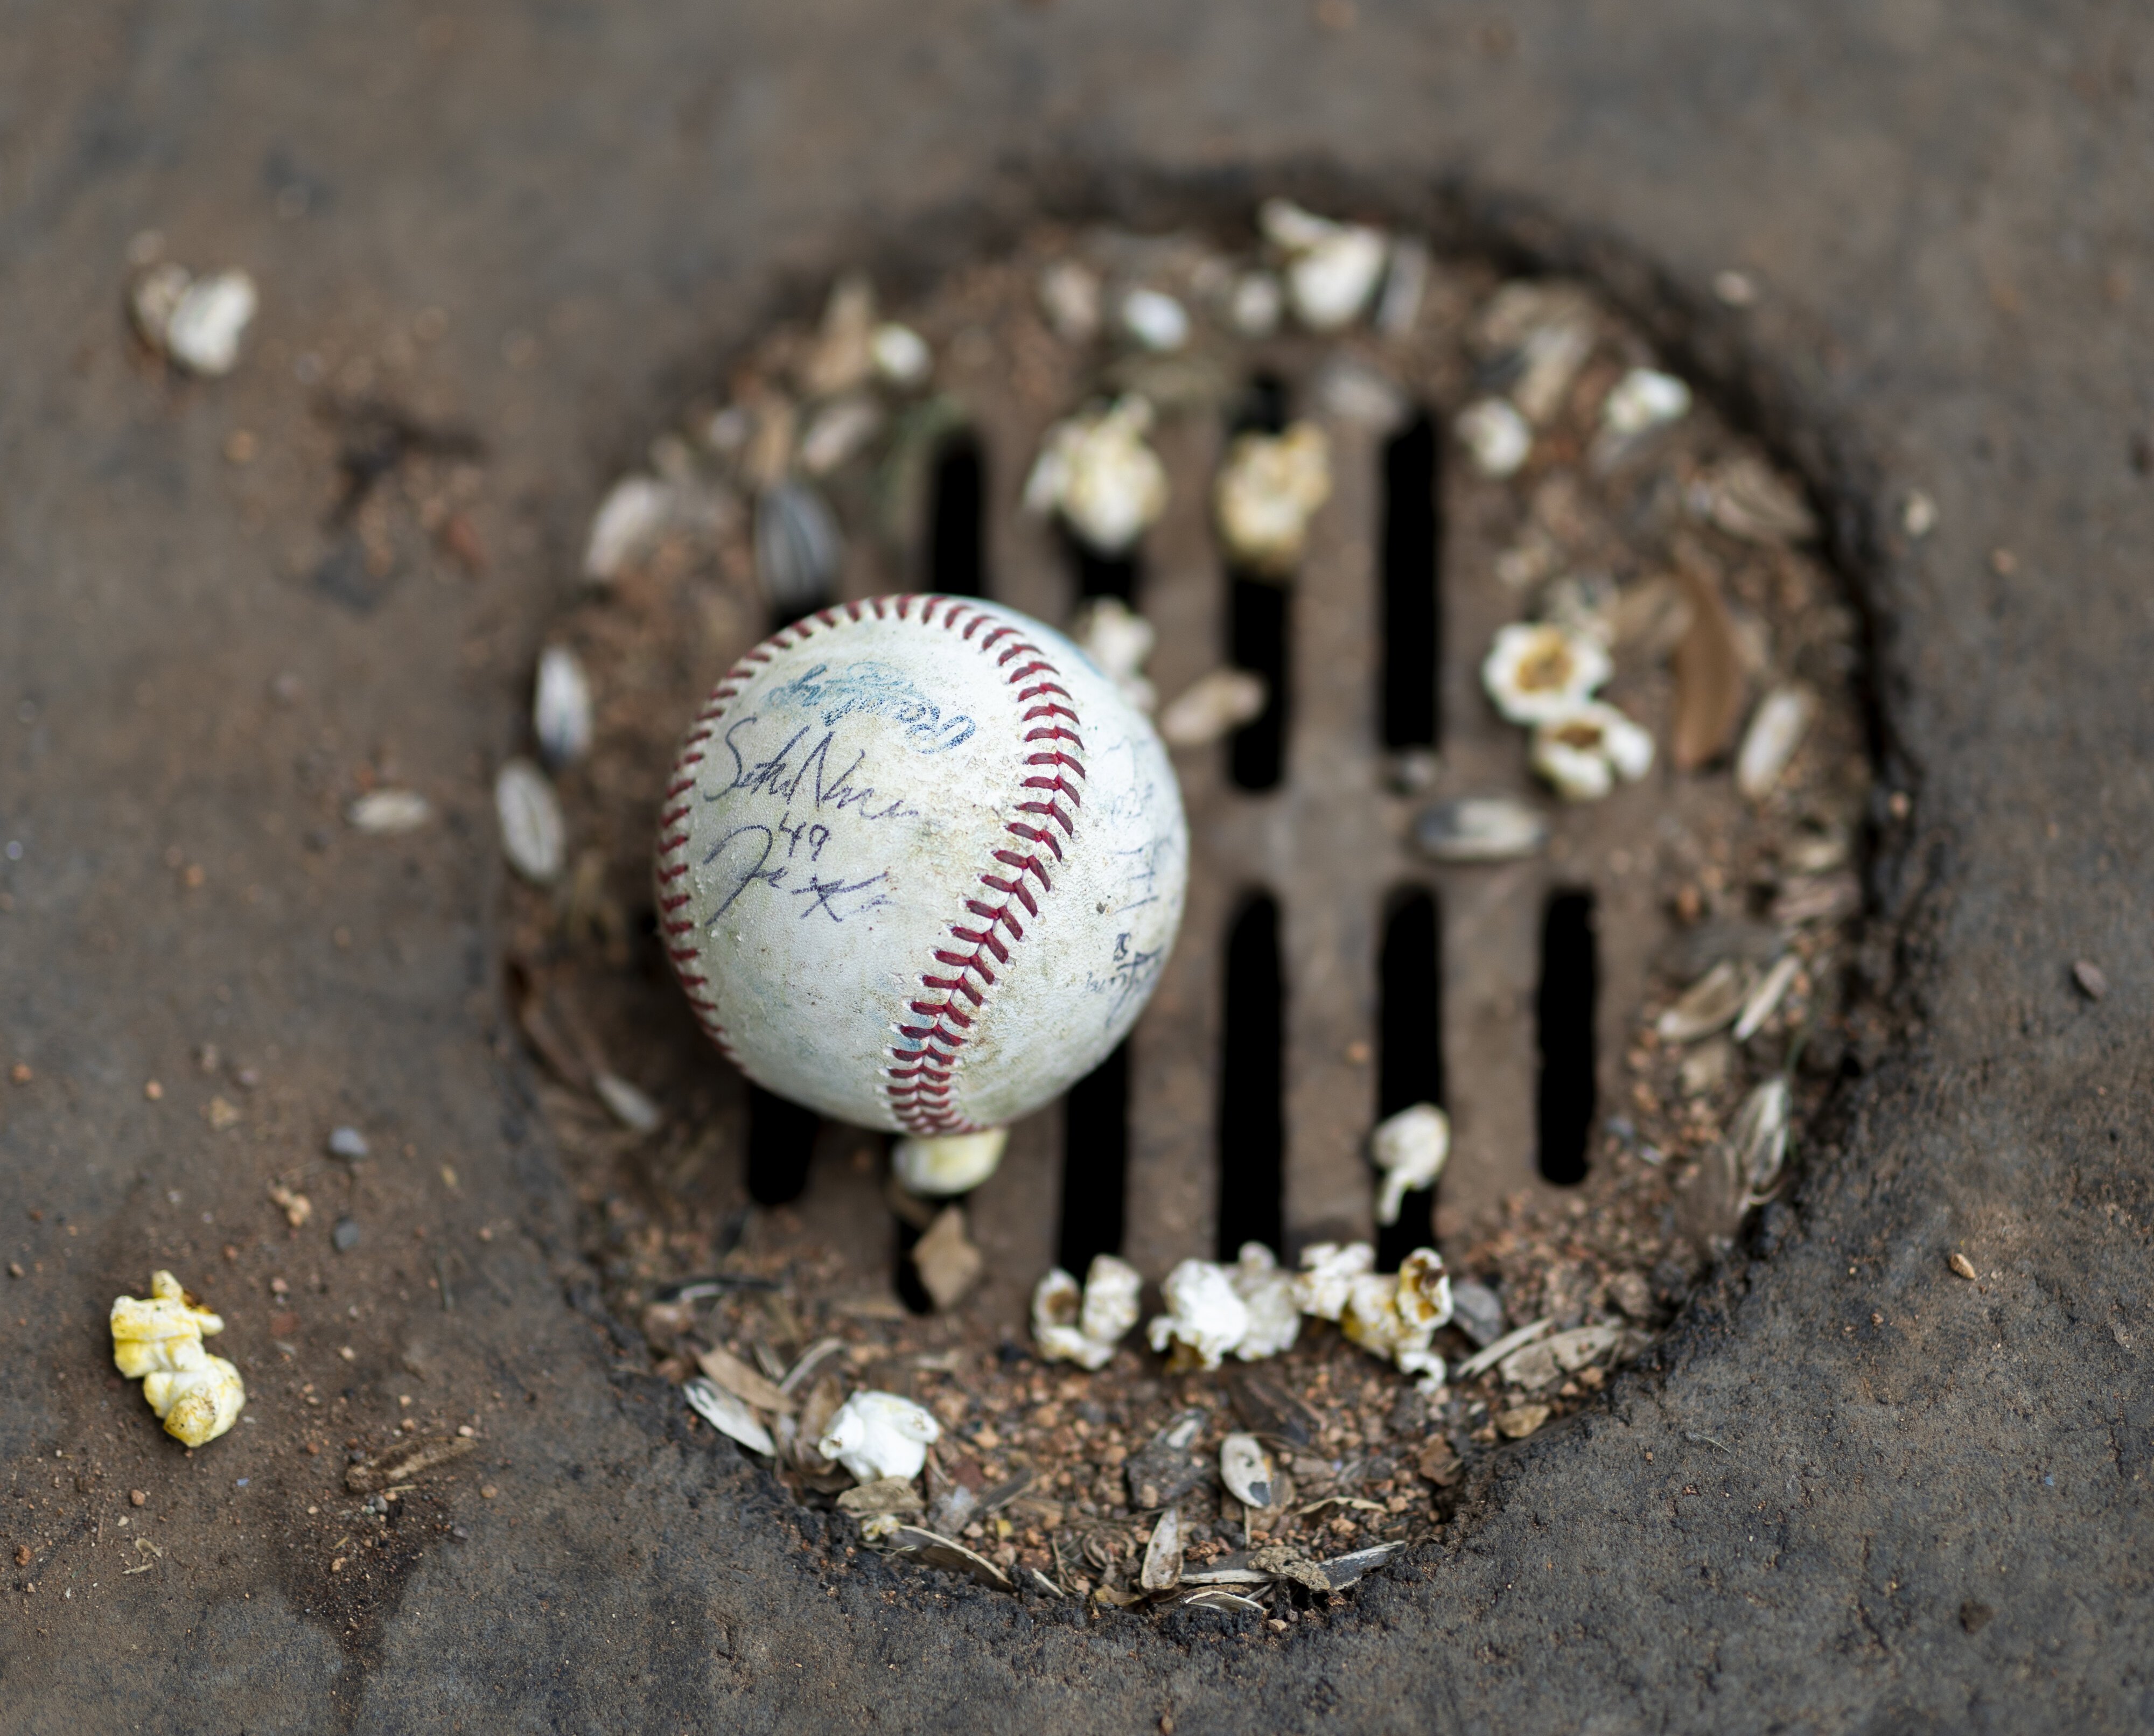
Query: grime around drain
[1644,685]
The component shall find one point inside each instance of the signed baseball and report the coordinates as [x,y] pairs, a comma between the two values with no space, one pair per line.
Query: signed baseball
[919,864]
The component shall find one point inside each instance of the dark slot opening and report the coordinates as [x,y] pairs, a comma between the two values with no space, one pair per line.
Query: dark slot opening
[1412,622]
[781,1136]
[1257,612]
[910,1291]
[1409,1050]
[956,560]
[1103,575]
[1570,981]
[1252,1083]
[1096,1162]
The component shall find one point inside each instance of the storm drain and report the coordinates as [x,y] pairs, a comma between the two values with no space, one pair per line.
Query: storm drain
[1627,1003]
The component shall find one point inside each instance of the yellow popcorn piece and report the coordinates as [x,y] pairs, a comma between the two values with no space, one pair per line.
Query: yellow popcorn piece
[197,1404]
[158,1340]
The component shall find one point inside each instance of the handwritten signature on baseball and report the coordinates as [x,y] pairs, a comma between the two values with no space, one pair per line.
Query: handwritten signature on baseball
[877,690]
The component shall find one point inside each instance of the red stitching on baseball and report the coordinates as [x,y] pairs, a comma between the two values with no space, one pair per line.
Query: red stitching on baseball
[915,1087]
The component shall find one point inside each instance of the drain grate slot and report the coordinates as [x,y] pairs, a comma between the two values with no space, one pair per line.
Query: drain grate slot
[1570,984]
[1411,545]
[1095,1162]
[1258,610]
[955,521]
[1251,1082]
[1410,1046]
[781,1139]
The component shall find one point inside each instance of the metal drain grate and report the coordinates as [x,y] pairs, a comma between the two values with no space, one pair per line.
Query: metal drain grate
[1328,973]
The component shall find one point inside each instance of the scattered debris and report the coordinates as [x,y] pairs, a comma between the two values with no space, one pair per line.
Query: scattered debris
[1775,731]
[534,835]
[886,1494]
[1477,1311]
[344,1237]
[1257,302]
[1734,289]
[1213,706]
[798,548]
[1709,1005]
[1746,498]
[635,512]
[876,1435]
[1070,295]
[158,1340]
[1918,514]
[296,1207]
[1522,1420]
[1247,1472]
[1269,489]
[1708,672]
[1758,1141]
[937,1551]
[1765,999]
[1410,1148]
[2093,981]
[1481,829]
[1962,1266]
[838,432]
[406,1461]
[730,1417]
[347,1143]
[1162,1561]
[948,1263]
[1168,1465]
[751,1386]
[561,708]
[386,813]
[1096,471]
[949,1164]
[627,1105]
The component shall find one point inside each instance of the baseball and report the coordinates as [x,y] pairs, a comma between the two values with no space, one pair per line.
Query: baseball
[919,864]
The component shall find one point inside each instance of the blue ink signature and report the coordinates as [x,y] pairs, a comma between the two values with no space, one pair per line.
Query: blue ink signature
[879,690]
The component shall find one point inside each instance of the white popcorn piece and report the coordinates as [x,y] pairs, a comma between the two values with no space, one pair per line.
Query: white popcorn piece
[1267,491]
[1096,472]
[1332,268]
[1255,304]
[1583,751]
[1642,399]
[1116,638]
[1536,672]
[160,1331]
[1213,705]
[1110,1308]
[876,1435]
[1085,1328]
[1205,1319]
[1424,1289]
[1328,1270]
[208,320]
[901,356]
[953,1164]
[1070,295]
[159,1340]
[1155,319]
[1410,1148]
[1498,437]
[1272,1299]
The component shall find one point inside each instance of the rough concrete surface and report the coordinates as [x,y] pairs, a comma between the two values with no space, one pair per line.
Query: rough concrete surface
[1879,1496]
